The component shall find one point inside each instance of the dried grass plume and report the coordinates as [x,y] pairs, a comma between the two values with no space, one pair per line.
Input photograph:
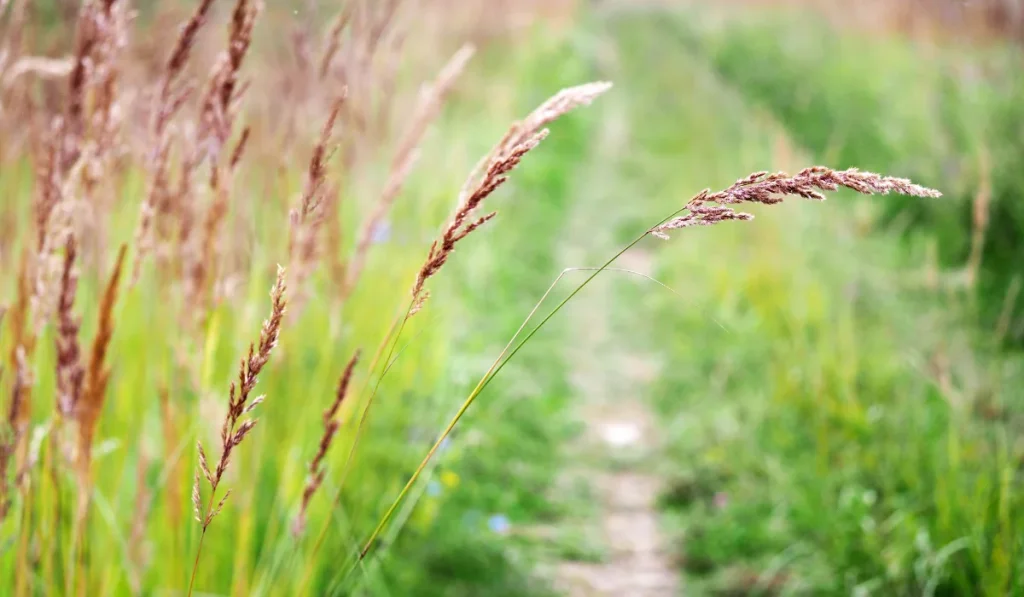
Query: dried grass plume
[520,139]
[707,208]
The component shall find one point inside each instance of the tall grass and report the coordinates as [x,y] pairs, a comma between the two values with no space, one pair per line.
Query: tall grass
[102,476]
[833,427]
[945,113]
[214,196]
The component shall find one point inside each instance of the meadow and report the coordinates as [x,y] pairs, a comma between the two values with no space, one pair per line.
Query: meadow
[317,299]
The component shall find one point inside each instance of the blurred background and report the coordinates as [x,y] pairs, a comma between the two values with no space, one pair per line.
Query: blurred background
[825,401]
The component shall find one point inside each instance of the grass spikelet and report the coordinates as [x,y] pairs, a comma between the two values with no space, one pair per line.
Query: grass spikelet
[307,218]
[22,348]
[87,410]
[6,443]
[179,56]
[520,132]
[171,97]
[706,208]
[331,425]
[13,433]
[520,139]
[223,89]
[70,372]
[233,432]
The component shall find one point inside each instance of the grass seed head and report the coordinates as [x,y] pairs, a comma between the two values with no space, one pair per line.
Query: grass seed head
[707,208]
[520,139]
[331,426]
[234,431]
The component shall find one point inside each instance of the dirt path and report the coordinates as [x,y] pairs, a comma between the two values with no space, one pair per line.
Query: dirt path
[610,381]
[637,563]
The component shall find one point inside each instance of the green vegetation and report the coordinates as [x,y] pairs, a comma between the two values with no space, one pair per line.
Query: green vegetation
[840,402]
[948,116]
[834,427]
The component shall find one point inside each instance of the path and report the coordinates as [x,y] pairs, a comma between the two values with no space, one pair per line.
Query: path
[609,380]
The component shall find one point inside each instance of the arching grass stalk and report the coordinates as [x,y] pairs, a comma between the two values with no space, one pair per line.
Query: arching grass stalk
[704,209]
[496,367]
[410,504]
[489,175]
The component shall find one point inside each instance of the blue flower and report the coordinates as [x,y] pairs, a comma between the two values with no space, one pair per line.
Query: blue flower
[499,523]
[433,488]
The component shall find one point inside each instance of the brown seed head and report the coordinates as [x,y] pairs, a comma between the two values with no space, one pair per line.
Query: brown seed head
[706,208]
[87,410]
[233,431]
[316,471]
[70,372]
[520,139]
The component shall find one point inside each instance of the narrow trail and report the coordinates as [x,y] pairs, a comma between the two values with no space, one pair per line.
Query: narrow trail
[614,365]
[609,380]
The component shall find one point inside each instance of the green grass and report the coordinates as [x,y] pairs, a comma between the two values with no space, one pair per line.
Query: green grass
[833,425]
[948,116]
[811,446]
[501,466]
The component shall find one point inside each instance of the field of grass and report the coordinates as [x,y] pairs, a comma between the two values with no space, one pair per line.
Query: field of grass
[835,424]
[838,411]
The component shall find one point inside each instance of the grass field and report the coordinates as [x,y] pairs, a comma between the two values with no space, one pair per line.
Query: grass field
[836,401]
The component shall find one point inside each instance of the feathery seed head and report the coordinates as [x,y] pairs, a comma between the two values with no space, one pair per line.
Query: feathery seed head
[706,208]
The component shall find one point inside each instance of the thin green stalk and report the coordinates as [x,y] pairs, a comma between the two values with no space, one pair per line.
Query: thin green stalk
[496,367]
[393,342]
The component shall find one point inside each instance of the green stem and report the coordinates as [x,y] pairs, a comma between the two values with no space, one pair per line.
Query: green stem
[322,536]
[492,372]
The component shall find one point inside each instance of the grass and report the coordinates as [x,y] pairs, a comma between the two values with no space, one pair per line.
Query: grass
[946,115]
[169,387]
[833,425]
[830,419]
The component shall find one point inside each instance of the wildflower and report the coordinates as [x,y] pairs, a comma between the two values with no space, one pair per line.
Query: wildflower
[449,479]
[499,523]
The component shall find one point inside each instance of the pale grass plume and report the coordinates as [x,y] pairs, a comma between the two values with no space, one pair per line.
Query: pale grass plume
[492,172]
[224,90]
[141,510]
[172,95]
[169,428]
[333,42]
[426,111]
[331,426]
[306,219]
[218,111]
[235,428]
[707,208]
